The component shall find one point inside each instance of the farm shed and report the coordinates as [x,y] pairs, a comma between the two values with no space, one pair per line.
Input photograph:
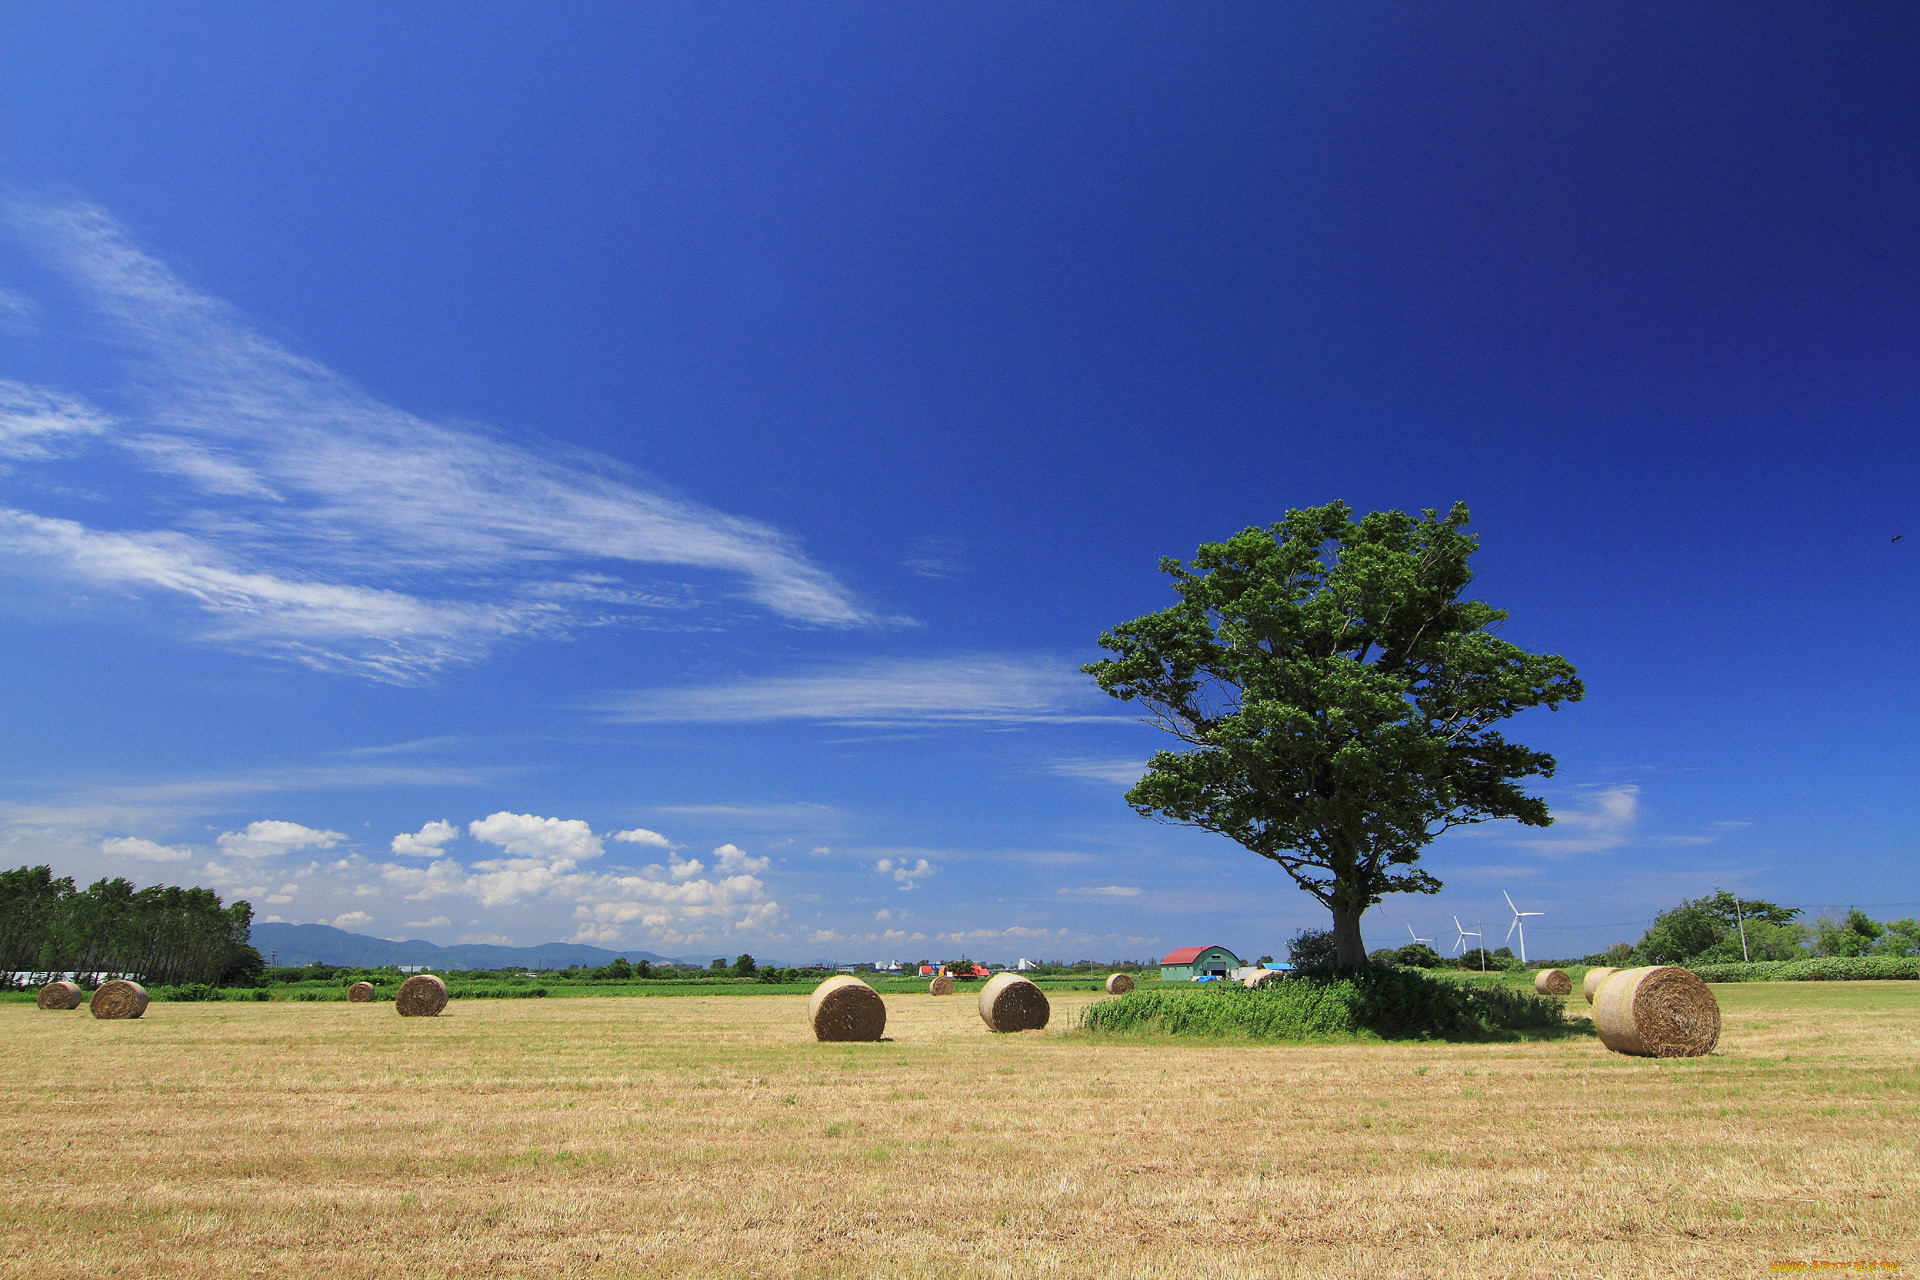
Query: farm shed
[1189,963]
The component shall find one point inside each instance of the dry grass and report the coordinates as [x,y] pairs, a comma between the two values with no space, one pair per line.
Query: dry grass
[715,1137]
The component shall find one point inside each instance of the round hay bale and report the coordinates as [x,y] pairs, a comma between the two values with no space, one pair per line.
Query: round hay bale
[845,1008]
[1553,982]
[423,995]
[1118,984]
[1595,979]
[941,986]
[59,994]
[360,992]
[1261,978]
[119,999]
[1662,1011]
[1010,1002]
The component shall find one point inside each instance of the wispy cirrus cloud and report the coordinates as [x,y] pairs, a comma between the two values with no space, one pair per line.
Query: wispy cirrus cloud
[976,689]
[1111,771]
[319,524]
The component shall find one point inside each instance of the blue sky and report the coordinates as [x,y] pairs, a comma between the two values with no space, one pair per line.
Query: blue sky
[649,474]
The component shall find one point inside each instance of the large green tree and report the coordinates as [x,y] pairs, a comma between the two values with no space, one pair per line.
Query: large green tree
[1337,696]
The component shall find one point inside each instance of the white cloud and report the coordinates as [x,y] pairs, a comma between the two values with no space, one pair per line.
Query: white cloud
[904,875]
[685,868]
[883,914]
[377,632]
[733,861]
[640,835]
[1113,772]
[438,922]
[144,850]
[36,423]
[524,836]
[426,842]
[336,511]
[487,939]
[366,891]
[351,919]
[1606,823]
[1103,891]
[270,839]
[980,689]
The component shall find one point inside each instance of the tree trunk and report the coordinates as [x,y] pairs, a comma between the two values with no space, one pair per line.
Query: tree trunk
[1348,947]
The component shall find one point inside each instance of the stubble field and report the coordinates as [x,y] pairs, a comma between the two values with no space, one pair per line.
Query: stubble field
[713,1137]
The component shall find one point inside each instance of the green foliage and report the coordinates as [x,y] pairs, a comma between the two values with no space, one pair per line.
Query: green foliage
[1417,955]
[1312,953]
[1707,931]
[744,967]
[1338,697]
[1854,936]
[1389,1002]
[162,935]
[191,992]
[1824,969]
[1902,938]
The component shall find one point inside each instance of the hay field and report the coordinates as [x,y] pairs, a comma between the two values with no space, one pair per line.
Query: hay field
[713,1137]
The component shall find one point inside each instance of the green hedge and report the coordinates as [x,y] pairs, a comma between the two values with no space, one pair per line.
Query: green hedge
[1825,969]
[1391,1003]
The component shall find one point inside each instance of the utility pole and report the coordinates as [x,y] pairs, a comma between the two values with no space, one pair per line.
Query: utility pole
[1741,920]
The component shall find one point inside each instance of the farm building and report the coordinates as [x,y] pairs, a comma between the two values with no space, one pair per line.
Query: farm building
[1189,963]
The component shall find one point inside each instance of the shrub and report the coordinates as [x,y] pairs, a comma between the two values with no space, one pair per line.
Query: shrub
[262,994]
[1390,1002]
[1824,969]
[1312,953]
[192,991]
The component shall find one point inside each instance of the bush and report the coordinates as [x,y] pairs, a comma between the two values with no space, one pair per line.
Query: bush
[262,994]
[1825,969]
[1312,953]
[191,992]
[1390,1002]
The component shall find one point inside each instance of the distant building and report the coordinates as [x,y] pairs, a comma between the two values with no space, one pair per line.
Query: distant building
[1190,963]
[1025,965]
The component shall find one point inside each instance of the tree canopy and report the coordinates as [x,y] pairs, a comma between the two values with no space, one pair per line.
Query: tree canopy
[159,934]
[1338,696]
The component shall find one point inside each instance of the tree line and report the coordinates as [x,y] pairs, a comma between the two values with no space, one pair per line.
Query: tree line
[162,935]
[1723,929]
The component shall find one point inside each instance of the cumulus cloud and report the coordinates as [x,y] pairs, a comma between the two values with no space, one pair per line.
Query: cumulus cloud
[977,689]
[1102,891]
[426,842]
[640,835]
[144,850]
[732,861]
[438,922]
[905,875]
[342,531]
[351,919]
[524,836]
[672,904]
[271,839]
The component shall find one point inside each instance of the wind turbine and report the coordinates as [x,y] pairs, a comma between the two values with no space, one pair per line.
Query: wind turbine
[1416,937]
[1519,923]
[1460,943]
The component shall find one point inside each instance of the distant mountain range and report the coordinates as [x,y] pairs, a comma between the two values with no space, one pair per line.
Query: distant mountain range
[297,944]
